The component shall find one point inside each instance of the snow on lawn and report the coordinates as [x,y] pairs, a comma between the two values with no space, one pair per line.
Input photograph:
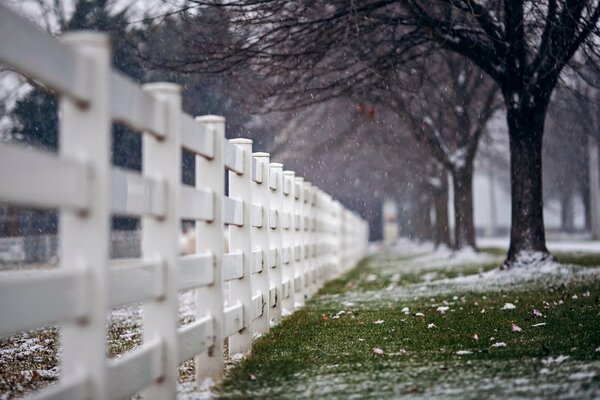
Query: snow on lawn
[582,246]
[407,257]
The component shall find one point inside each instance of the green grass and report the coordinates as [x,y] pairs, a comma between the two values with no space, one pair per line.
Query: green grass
[313,353]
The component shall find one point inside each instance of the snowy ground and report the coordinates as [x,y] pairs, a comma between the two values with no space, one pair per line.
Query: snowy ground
[431,288]
[587,246]
[404,273]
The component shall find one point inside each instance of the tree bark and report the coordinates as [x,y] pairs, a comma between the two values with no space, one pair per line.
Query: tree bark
[464,225]
[527,234]
[440,204]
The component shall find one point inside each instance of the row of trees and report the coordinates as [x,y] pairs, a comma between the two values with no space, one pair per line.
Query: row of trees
[313,51]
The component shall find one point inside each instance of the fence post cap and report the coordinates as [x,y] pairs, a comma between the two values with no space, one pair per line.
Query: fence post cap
[241,141]
[210,118]
[86,37]
[288,172]
[162,88]
[261,154]
[276,165]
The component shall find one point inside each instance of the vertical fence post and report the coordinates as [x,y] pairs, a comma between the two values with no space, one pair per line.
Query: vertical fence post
[299,285]
[209,239]
[240,188]
[84,238]
[162,159]
[289,258]
[260,242]
[275,222]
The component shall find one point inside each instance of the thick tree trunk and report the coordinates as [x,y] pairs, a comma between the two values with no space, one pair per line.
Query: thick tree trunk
[440,204]
[464,225]
[527,234]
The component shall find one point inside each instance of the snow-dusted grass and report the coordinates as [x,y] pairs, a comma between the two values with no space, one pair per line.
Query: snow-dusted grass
[412,323]
[410,320]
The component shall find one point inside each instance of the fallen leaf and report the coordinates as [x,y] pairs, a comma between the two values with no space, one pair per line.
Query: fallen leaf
[475,337]
[516,328]
[378,322]
[377,351]
[536,314]
[430,326]
[508,306]
[252,377]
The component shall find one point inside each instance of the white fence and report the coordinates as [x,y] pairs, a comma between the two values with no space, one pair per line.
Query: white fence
[286,237]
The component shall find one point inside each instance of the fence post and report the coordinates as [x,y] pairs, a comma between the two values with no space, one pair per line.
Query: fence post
[162,159]
[275,222]
[289,258]
[240,187]
[209,239]
[84,238]
[299,235]
[260,242]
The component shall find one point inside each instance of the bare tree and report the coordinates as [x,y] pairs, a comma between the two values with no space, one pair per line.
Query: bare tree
[447,102]
[310,51]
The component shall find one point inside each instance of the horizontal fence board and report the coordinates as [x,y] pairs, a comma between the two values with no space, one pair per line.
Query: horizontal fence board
[131,106]
[38,178]
[286,220]
[69,388]
[273,179]
[234,158]
[196,204]
[286,255]
[134,194]
[273,219]
[257,216]
[233,319]
[272,297]
[273,255]
[134,371]
[258,261]
[298,283]
[287,185]
[258,170]
[35,54]
[34,299]
[233,266]
[196,270]
[197,137]
[233,211]
[286,289]
[132,281]
[195,338]
[257,306]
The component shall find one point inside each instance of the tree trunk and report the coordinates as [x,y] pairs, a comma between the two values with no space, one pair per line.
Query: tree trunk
[464,225]
[440,204]
[566,212]
[527,234]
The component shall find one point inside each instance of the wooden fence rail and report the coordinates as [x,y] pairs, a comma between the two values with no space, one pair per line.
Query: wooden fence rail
[286,236]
